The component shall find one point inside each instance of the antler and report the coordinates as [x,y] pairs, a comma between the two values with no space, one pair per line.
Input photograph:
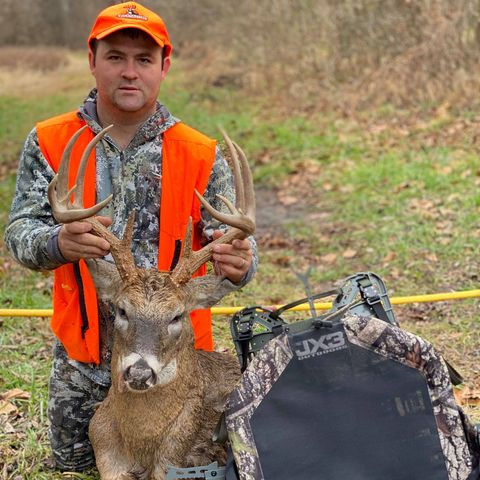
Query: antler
[241,219]
[66,211]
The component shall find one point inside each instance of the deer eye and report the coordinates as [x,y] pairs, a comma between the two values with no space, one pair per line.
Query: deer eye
[175,319]
[121,319]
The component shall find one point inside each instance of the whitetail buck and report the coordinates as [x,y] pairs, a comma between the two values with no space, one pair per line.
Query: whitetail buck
[166,397]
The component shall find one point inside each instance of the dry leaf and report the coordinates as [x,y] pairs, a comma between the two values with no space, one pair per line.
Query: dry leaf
[6,408]
[394,273]
[349,253]
[282,261]
[326,239]
[318,216]
[431,257]
[453,197]
[402,186]
[8,428]
[329,258]
[15,393]
[446,170]
[389,257]
[288,200]
[376,129]
[348,188]
[467,396]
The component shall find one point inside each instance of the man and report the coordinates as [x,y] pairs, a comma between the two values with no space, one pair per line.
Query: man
[129,57]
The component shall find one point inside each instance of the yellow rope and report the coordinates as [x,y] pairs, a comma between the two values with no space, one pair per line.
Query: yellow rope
[433,297]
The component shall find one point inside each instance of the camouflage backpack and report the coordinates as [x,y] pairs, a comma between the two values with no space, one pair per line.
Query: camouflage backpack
[346,395]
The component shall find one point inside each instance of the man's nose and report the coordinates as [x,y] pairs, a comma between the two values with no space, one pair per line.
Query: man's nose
[129,72]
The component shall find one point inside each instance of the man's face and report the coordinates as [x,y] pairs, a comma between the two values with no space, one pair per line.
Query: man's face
[128,73]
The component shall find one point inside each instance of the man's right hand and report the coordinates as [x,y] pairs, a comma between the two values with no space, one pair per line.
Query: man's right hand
[75,240]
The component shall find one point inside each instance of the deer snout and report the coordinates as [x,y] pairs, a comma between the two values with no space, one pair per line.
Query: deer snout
[139,376]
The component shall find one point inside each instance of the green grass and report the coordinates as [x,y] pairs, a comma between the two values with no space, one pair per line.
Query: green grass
[405,204]
[18,116]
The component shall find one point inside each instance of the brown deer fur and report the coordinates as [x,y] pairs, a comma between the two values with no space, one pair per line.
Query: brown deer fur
[135,433]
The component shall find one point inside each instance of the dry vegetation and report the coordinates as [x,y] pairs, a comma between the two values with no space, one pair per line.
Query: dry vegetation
[349,53]
[29,71]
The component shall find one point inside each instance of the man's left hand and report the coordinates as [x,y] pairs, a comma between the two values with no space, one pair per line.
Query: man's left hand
[233,261]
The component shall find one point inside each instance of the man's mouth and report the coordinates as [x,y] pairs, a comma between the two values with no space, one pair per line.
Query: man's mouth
[129,89]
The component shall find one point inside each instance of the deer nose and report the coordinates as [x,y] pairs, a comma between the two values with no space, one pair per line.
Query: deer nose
[139,376]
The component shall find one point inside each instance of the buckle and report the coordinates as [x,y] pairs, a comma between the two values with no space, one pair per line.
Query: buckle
[207,472]
[244,323]
[368,291]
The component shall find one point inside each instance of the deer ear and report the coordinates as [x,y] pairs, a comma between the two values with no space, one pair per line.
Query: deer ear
[105,277]
[206,291]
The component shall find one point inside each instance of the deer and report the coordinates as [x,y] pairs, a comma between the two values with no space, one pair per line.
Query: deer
[166,397]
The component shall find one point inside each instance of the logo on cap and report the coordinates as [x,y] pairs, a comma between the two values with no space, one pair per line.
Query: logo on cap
[131,12]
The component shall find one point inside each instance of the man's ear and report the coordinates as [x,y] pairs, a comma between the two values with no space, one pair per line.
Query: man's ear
[166,67]
[91,60]
[105,277]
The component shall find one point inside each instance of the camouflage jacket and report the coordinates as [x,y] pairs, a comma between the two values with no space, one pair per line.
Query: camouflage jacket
[131,175]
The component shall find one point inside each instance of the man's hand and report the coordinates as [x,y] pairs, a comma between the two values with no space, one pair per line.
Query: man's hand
[233,261]
[75,241]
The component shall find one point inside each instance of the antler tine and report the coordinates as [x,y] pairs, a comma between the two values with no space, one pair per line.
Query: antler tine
[236,170]
[121,251]
[62,187]
[243,214]
[58,192]
[242,219]
[66,212]
[78,198]
[249,192]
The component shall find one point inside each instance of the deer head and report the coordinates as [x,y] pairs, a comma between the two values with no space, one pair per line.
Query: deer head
[153,332]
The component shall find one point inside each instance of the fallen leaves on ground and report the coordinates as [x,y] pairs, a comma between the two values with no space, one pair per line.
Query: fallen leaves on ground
[329,258]
[390,256]
[349,253]
[467,395]
[6,407]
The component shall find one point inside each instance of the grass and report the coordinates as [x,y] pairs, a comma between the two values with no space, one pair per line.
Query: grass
[394,190]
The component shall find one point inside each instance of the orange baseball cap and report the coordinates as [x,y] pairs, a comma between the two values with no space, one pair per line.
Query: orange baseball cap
[130,15]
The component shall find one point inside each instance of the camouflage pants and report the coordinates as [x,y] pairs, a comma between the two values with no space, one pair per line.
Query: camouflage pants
[73,395]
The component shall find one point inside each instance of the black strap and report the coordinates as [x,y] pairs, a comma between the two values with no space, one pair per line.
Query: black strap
[81,298]
[329,293]
[455,377]
[244,344]
[176,254]
[370,294]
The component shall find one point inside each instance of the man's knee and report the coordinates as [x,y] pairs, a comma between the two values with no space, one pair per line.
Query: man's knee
[68,435]
[71,405]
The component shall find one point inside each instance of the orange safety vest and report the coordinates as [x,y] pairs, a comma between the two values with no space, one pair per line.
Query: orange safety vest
[187,159]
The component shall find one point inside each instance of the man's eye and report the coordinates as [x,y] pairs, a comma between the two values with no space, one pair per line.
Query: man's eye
[145,61]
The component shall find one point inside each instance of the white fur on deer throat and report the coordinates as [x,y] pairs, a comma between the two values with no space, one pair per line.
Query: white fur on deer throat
[165,373]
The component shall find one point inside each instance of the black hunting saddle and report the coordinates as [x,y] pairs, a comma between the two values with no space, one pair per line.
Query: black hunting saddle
[344,395]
